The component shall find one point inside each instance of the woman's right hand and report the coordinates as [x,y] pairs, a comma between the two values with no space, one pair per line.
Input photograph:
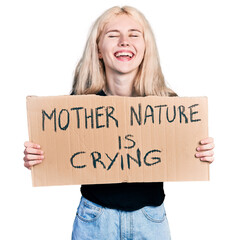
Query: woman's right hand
[33,154]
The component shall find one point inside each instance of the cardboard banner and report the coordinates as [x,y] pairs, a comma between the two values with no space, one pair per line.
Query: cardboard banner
[90,139]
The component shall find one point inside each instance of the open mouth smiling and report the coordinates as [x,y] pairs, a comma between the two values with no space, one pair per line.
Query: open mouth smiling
[124,55]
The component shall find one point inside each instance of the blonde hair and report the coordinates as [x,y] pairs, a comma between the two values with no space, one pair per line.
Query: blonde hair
[89,75]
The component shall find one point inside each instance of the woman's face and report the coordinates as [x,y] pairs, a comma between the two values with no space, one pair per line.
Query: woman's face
[122,45]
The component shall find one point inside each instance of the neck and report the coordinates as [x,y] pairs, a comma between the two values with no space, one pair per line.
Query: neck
[120,84]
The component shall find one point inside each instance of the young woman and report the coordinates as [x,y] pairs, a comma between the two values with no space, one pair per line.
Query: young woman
[120,58]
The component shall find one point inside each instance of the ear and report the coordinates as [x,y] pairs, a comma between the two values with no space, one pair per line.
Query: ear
[99,54]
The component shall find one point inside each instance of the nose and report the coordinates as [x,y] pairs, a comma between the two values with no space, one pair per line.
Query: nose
[123,42]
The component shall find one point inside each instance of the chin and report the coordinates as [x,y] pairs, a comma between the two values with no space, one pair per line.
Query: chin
[127,70]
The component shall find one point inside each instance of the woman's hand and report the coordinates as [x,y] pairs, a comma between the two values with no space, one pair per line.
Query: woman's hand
[33,154]
[205,150]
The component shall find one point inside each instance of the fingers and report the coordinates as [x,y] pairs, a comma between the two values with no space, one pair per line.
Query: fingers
[31,145]
[29,164]
[205,154]
[207,159]
[32,151]
[208,146]
[207,140]
[33,155]
[205,150]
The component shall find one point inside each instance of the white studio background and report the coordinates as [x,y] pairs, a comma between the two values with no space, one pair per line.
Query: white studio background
[40,45]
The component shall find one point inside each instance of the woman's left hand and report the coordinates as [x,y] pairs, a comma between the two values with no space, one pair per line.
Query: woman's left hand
[205,150]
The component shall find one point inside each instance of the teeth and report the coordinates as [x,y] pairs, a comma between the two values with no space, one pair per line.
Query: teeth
[126,54]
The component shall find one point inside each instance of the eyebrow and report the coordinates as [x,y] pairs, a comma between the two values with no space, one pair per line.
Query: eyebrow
[117,31]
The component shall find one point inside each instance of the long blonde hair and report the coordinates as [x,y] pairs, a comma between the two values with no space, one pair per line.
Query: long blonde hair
[89,75]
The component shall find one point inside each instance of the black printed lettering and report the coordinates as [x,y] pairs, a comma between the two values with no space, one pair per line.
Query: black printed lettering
[53,114]
[96,159]
[149,113]
[193,113]
[67,119]
[137,116]
[72,160]
[153,158]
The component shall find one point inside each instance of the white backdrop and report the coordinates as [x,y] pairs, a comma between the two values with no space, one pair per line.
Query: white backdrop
[41,43]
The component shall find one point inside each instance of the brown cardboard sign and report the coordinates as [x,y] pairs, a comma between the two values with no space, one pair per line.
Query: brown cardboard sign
[90,139]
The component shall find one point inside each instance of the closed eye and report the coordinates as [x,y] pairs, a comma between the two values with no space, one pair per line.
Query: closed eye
[112,36]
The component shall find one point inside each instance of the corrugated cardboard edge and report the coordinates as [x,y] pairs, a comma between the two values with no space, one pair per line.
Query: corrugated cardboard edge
[29,133]
[207,133]
[207,104]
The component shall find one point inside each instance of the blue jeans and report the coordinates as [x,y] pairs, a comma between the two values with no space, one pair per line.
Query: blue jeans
[94,222]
